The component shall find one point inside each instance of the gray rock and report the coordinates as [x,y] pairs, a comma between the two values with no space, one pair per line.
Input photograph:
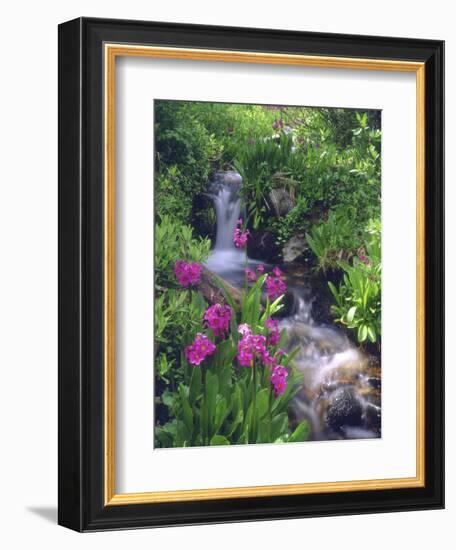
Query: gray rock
[281,201]
[344,409]
[294,248]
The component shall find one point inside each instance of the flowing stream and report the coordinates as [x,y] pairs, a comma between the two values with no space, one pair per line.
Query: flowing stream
[340,394]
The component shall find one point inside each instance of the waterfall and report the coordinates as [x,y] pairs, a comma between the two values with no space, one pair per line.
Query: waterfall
[225,192]
[225,259]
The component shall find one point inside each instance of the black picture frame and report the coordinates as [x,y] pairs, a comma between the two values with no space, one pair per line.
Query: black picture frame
[81,429]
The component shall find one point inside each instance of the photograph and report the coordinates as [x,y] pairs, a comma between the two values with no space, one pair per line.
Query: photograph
[267,267]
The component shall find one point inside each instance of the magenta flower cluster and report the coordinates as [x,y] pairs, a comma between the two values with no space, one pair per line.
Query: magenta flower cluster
[217,318]
[199,350]
[274,333]
[279,376]
[240,237]
[252,275]
[187,274]
[251,346]
[275,284]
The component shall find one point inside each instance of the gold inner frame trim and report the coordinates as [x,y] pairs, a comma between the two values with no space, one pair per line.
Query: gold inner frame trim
[111,52]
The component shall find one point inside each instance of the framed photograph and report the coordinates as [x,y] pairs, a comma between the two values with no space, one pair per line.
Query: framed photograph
[250,274]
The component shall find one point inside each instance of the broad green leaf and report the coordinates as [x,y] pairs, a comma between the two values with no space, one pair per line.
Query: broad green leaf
[211,396]
[362,333]
[262,403]
[301,432]
[219,440]
[195,384]
[186,410]
[279,425]
[351,314]
[221,412]
[371,333]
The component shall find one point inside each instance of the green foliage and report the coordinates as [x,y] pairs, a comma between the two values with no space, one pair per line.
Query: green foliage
[217,403]
[358,298]
[335,239]
[258,163]
[233,126]
[177,313]
[184,149]
[177,319]
[173,240]
[296,221]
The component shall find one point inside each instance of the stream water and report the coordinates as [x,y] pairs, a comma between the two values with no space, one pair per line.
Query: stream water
[340,393]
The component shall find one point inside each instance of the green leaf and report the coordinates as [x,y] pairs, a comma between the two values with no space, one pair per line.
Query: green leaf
[168,398]
[334,292]
[186,410]
[351,314]
[212,386]
[262,403]
[371,333]
[301,432]
[219,440]
[221,412]
[195,385]
[279,425]
[362,333]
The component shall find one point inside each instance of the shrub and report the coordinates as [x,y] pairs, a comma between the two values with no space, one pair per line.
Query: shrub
[335,239]
[258,163]
[358,298]
[296,221]
[174,239]
[176,312]
[184,150]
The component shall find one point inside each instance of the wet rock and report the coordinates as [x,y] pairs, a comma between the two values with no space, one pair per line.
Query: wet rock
[262,246]
[294,248]
[229,177]
[373,418]
[212,292]
[374,382]
[281,201]
[344,409]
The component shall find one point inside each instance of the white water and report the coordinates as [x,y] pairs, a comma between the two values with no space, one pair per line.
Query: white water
[227,260]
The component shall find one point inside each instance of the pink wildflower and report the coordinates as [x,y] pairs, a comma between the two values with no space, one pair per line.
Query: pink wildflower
[251,275]
[187,273]
[244,329]
[275,287]
[199,350]
[251,346]
[239,236]
[260,269]
[279,379]
[277,272]
[218,318]
[274,333]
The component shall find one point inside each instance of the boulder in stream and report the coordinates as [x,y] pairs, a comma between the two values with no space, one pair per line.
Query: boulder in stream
[211,290]
[294,248]
[344,409]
